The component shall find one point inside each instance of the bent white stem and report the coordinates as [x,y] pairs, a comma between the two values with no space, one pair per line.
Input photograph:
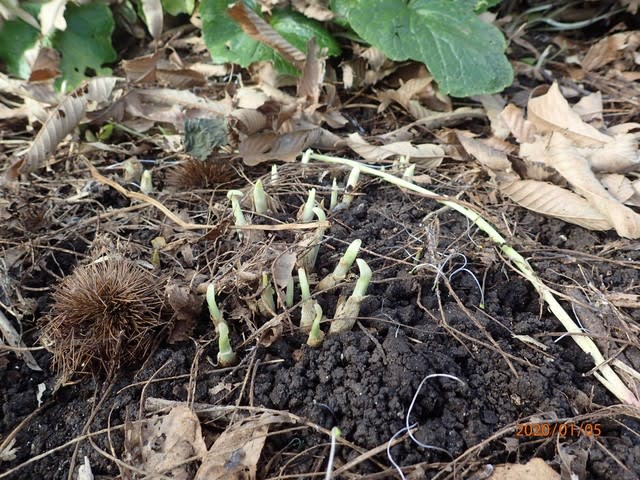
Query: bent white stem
[343,266]
[604,373]
[335,434]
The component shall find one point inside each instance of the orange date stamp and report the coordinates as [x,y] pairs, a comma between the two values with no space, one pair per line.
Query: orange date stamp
[570,429]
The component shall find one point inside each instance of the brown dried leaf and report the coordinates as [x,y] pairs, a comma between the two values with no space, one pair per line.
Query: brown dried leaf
[13,338]
[182,78]
[494,160]
[312,75]
[429,152]
[65,118]
[258,29]
[575,168]
[162,445]
[534,469]
[248,121]
[46,67]
[609,49]
[522,129]
[142,69]
[262,147]
[550,112]
[187,307]
[555,201]
[235,453]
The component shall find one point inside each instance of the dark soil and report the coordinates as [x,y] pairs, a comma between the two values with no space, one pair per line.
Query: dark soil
[415,322]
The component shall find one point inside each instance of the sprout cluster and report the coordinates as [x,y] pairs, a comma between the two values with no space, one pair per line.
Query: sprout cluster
[311,315]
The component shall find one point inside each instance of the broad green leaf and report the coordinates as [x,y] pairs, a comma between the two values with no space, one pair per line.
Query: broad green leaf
[86,43]
[464,54]
[176,7]
[16,37]
[228,43]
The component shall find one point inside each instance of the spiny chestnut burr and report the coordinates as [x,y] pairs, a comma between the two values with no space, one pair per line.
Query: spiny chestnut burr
[194,173]
[104,315]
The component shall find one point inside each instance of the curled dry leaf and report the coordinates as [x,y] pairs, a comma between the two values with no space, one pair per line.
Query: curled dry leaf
[609,49]
[523,130]
[283,267]
[258,29]
[262,147]
[312,75]
[248,121]
[64,118]
[621,188]
[589,108]
[494,160]
[235,453]
[554,201]
[163,445]
[430,153]
[551,112]
[620,155]
[575,168]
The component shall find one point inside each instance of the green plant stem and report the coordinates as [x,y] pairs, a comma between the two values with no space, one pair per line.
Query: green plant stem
[260,198]
[604,373]
[214,311]
[307,212]
[343,266]
[347,312]
[226,355]
[316,335]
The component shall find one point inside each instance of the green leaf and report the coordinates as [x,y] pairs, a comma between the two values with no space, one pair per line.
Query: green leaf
[176,7]
[85,45]
[227,42]
[464,54]
[16,37]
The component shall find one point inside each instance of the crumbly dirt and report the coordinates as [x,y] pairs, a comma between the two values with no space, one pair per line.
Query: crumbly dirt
[422,317]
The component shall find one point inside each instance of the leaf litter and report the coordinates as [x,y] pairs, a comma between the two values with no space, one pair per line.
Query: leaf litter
[566,164]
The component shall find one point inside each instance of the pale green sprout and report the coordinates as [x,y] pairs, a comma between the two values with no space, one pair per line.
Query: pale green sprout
[274,174]
[146,182]
[226,355]
[267,304]
[315,334]
[307,211]
[289,292]
[343,266]
[409,173]
[214,311]
[260,201]
[235,196]
[352,182]
[347,312]
[334,195]
[335,434]
[308,313]
[309,259]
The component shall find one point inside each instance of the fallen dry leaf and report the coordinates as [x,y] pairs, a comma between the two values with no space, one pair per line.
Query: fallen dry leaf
[262,147]
[430,153]
[554,201]
[258,29]
[609,49]
[551,112]
[235,454]
[534,469]
[162,444]
[64,118]
[575,168]
[523,130]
